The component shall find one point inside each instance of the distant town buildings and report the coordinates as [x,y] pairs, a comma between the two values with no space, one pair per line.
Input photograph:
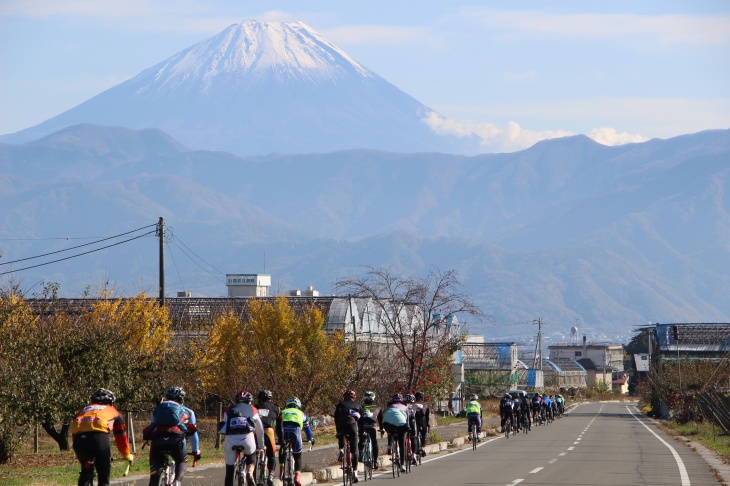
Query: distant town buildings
[248,284]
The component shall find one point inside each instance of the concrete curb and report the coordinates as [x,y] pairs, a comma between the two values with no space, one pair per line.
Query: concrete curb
[332,473]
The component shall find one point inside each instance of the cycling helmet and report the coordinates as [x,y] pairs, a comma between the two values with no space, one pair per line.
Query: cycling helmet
[102,396]
[409,398]
[507,395]
[265,395]
[419,396]
[293,402]
[473,396]
[243,397]
[397,398]
[368,397]
[175,393]
[349,394]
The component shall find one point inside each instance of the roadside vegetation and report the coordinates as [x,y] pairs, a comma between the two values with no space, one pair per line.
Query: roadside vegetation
[53,358]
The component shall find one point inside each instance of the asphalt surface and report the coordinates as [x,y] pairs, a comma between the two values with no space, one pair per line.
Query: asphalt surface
[595,444]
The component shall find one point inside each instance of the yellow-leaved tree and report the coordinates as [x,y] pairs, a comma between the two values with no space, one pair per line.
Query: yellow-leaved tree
[277,349]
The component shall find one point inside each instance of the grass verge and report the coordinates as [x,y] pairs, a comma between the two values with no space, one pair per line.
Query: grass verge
[704,433]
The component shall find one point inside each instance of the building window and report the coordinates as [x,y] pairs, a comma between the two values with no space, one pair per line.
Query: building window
[578,354]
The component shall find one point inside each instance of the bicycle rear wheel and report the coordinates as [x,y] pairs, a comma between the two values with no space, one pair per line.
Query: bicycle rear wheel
[261,471]
[507,425]
[368,458]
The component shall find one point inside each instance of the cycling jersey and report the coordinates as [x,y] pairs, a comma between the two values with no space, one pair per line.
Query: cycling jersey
[396,414]
[268,412]
[473,407]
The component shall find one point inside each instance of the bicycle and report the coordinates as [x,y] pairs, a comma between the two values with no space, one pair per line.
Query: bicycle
[166,473]
[408,451]
[239,473]
[395,459]
[346,464]
[261,470]
[367,457]
[507,426]
[525,423]
[420,438]
[474,440]
[90,465]
[288,476]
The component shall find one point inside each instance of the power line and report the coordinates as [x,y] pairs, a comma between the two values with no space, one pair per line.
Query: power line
[80,254]
[196,255]
[195,262]
[175,265]
[75,247]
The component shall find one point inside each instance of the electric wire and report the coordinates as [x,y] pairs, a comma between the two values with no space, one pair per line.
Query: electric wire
[77,246]
[74,256]
[174,263]
[195,262]
[191,251]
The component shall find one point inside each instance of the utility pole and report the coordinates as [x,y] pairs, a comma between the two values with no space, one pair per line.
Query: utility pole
[538,346]
[161,236]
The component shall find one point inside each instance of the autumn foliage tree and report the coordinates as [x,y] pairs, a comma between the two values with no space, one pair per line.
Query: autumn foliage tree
[278,349]
[58,360]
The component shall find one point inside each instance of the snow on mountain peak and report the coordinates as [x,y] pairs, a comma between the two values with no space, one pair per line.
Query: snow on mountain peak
[256,51]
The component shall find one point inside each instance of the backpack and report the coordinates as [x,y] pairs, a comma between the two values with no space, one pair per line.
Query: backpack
[238,423]
[170,414]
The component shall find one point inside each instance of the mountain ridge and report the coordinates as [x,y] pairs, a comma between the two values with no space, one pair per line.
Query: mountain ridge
[565,230]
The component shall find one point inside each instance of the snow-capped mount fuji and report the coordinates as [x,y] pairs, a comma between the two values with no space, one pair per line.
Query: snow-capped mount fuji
[262,87]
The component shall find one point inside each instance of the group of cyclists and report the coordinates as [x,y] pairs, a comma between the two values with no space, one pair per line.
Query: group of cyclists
[523,411]
[404,416]
[172,423]
[254,429]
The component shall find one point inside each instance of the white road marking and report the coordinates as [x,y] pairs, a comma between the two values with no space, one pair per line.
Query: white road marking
[536,470]
[680,464]
[516,481]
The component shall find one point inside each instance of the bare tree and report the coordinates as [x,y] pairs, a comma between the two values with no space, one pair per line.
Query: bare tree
[415,313]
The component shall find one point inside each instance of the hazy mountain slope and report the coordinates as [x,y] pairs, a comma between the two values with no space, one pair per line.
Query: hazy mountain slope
[566,230]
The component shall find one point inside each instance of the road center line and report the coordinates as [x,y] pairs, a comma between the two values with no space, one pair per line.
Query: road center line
[680,464]
[536,470]
[516,481]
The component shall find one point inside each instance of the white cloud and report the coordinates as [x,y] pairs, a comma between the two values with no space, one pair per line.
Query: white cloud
[609,136]
[664,29]
[491,137]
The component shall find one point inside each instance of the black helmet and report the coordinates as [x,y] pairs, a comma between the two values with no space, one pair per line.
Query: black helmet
[508,396]
[349,394]
[265,395]
[409,398]
[473,396]
[243,397]
[419,396]
[102,396]
[397,398]
[175,393]
[368,397]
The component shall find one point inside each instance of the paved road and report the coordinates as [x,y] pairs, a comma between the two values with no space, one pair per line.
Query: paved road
[596,444]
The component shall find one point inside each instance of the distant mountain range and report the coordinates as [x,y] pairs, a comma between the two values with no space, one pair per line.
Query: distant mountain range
[261,88]
[267,149]
[605,238]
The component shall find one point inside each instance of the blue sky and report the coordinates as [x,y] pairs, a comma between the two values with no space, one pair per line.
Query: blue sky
[513,72]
